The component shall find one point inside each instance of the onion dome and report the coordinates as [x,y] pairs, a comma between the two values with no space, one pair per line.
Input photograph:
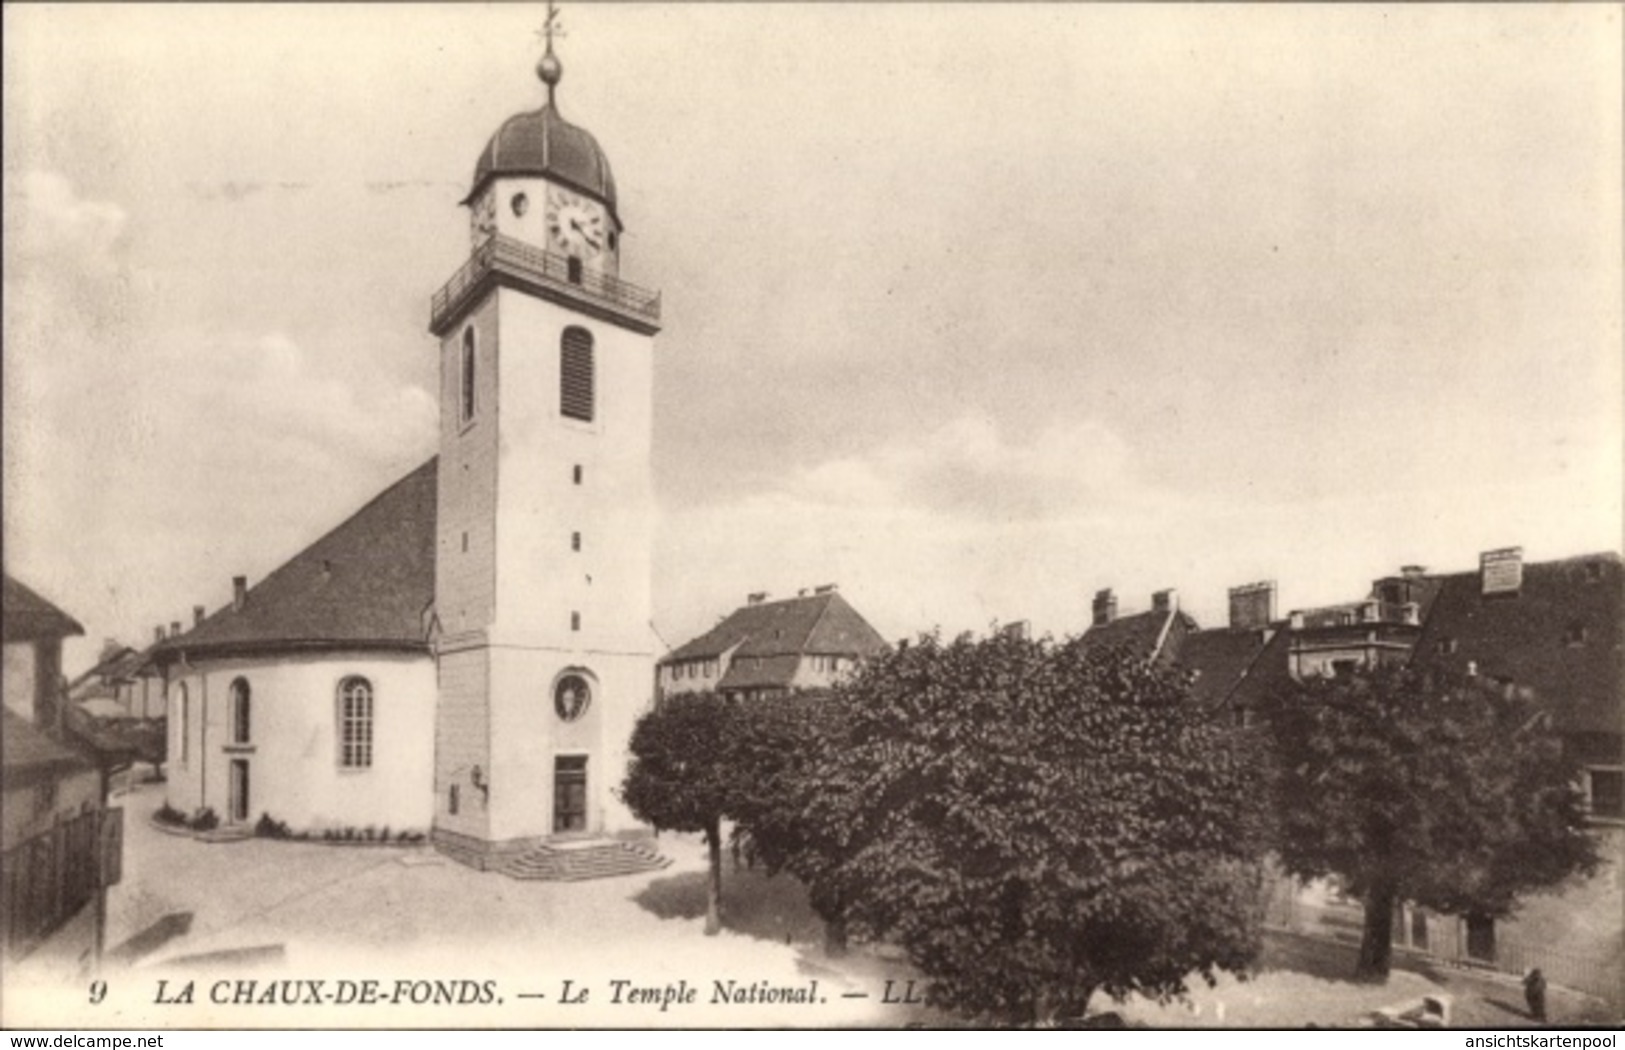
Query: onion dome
[543,143]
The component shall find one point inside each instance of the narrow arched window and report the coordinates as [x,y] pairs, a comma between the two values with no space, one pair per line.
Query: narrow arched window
[576,374]
[355,723]
[239,711]
[185,704]
[467,390]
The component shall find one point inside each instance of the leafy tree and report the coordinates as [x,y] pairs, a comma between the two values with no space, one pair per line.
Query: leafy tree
[1031,822]
[784,819]
[679,777]
[1415,784]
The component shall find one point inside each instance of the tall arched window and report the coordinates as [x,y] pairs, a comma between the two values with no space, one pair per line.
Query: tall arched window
[466,392]
[355,723]
[576,374]
[239,711]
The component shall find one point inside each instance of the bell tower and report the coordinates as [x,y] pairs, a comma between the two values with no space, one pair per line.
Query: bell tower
[545,520]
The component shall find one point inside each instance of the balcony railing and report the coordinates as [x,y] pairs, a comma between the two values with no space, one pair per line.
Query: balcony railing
[503,254]
[1355,614]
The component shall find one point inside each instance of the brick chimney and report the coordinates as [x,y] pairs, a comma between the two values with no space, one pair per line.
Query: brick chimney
[1501,571]
[174,628]
[756,598]
[197,615]
[1105,607]
[1021,630]
[826,588]
[1252,606]
[158,633]
[1165,601]
[239,592]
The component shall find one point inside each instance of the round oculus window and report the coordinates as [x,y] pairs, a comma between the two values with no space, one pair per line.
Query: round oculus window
[571,696]
[521,204]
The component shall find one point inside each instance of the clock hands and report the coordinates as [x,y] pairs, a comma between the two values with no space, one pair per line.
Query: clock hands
[576,226]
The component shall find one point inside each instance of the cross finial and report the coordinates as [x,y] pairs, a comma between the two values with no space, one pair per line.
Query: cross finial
[551,27]
[549,68]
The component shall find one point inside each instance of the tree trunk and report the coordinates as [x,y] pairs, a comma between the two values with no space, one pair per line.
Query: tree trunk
[713,889]
[835,936]
[1377,942]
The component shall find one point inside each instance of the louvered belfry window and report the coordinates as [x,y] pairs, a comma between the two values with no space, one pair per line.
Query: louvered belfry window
[576,375]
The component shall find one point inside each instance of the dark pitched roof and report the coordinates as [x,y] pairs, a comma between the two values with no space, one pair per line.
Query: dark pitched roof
[26,749]
[116,667]
[26,616]
[368,583]
[1560,635]
[819,623]
[1221,658]
[761,672]
[1142,633]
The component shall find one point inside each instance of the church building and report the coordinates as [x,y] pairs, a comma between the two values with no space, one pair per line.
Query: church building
[468,653]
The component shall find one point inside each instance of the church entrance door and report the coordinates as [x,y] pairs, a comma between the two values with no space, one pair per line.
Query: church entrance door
[569,793]
[239,790]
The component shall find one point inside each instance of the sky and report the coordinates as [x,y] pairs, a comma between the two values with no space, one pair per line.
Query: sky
[971,309]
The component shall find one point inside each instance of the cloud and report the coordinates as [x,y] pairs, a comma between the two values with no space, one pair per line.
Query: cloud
[233,190]
[962,526]
[967,467]
[265,396]
[148,455]
[49,223]
[957,526]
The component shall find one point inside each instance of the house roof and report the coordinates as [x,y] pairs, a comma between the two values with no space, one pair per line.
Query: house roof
[1222,658]
[27,617]
[1155,634]
[819,623]
[1560,635]
[367,583]
[116,667]
[25,749]
[761,672]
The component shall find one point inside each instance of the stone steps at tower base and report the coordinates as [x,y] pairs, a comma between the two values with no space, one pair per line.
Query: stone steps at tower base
[578,863]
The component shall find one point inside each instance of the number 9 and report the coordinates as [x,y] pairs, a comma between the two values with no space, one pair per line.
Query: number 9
[98,991]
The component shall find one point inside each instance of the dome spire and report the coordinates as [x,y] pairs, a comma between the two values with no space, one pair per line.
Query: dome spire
[549,69]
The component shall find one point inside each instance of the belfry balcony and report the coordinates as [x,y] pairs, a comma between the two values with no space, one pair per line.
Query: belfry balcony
[504,260]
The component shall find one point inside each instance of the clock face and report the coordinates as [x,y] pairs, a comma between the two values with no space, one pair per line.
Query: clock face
[482,219]
[575,224]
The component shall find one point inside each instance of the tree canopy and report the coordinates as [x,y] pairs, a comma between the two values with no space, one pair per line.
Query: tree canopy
[1032,822]
[1411,783]
[680,777]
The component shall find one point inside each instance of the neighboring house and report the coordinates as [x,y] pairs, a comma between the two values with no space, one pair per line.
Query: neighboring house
[765,648]
[311,696]
[1232,666]
[124,683]
[1223,663]
[61,845]
[34,629]
[1555,629]
[1381,628]
[1155,635]
[1551,628]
